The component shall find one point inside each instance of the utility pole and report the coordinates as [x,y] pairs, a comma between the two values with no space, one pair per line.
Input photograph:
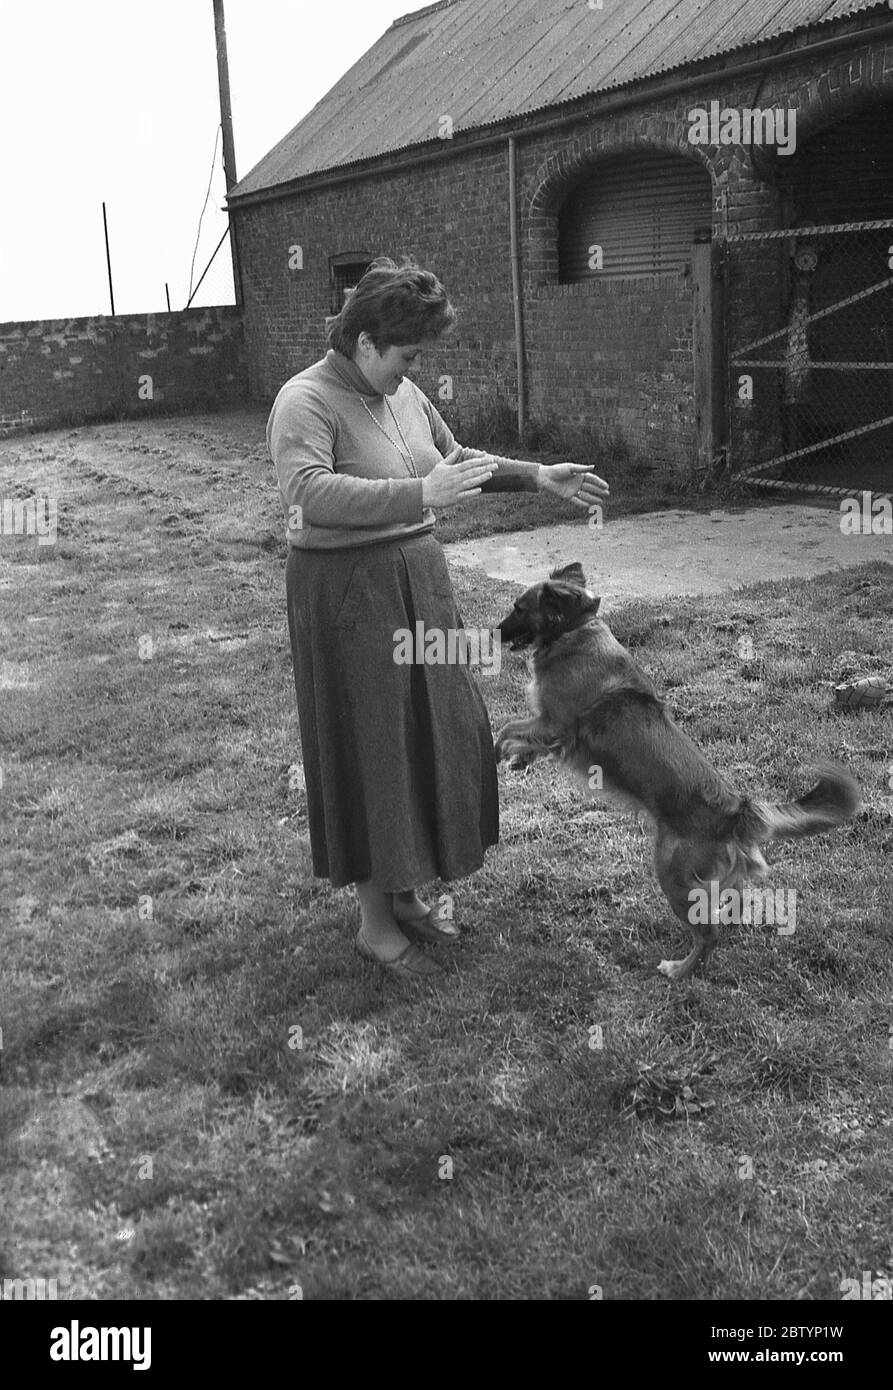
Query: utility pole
[226,121]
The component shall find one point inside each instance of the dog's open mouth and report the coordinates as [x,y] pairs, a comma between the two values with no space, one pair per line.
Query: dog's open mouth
[516,631]
[516,641]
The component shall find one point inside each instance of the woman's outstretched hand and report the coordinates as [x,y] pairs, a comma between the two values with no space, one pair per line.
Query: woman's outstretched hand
[450,482]
[574,481]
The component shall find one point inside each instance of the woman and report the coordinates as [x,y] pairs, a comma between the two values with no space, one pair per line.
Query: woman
[398,759]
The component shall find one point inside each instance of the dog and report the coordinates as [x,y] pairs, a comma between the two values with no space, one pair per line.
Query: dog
[596,711]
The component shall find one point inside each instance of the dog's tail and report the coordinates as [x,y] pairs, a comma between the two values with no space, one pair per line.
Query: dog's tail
[835,798]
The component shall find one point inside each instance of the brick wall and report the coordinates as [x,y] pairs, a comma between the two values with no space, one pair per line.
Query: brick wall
[445,218]
[71,370]
[616,355]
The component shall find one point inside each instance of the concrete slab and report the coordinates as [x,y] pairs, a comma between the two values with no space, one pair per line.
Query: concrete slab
[661,554]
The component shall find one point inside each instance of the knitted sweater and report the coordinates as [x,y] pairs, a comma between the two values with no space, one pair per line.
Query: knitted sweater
[346,482]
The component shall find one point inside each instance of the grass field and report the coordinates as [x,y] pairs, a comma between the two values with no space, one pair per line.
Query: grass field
[206,1094]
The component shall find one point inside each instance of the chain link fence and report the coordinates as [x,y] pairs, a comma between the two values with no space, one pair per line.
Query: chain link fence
[811,358]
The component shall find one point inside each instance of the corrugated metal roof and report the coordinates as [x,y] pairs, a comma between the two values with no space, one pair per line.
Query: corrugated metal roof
[485,61]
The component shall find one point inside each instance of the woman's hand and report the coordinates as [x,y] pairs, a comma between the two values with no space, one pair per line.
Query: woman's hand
[450,482]
[574,481]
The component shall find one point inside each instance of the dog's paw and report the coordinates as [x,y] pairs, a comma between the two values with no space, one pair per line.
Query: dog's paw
[517,755]
[512,751]
[674,969]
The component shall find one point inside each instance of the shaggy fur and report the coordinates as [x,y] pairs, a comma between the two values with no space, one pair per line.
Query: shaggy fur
[595,710]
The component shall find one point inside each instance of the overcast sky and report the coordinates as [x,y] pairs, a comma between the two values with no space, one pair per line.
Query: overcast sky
[117,100]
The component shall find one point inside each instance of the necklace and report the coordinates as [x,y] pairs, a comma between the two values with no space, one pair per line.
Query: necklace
[410,462]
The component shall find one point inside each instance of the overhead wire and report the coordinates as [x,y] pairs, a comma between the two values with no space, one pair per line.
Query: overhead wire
[204,207]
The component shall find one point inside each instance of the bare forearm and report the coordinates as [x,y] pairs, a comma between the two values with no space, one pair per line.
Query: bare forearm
[514,475]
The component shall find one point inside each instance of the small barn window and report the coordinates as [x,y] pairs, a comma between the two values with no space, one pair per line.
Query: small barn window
[633,217]
[345,272]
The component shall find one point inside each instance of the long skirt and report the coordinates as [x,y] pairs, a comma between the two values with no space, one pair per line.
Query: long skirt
[398,758]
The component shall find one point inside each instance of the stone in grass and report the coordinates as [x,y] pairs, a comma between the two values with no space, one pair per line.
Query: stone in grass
[862,694]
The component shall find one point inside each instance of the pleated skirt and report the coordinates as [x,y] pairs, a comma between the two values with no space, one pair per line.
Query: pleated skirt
[398,759]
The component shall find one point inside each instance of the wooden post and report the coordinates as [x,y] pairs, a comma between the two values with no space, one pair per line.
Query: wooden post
[226,121]
[720,350]
[517,285]
[108,259]
[167,295]
[707,349]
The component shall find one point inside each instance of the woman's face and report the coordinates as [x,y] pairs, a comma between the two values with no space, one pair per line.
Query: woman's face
[385,370]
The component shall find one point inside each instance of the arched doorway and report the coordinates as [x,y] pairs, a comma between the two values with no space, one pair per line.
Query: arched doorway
[634,325]
[826,378]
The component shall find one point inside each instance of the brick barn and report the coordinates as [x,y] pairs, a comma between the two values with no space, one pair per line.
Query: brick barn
[663,220]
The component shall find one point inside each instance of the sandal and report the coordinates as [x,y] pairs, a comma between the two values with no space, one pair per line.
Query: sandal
[411,964]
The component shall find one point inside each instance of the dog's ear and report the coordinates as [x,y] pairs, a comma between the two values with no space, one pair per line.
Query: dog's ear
[573,574]
[560,601]
[557,597]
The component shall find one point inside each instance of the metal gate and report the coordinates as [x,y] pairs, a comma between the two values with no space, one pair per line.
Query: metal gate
[810,351]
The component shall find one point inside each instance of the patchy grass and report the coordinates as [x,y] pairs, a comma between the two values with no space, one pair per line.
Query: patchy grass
[147,449]
[206,1094]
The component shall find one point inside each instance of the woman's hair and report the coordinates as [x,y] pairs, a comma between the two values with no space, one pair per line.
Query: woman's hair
[395,305]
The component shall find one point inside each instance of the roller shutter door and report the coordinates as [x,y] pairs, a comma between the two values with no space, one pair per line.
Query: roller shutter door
[642,212]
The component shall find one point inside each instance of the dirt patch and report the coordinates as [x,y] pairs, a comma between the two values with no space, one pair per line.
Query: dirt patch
[660,554]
